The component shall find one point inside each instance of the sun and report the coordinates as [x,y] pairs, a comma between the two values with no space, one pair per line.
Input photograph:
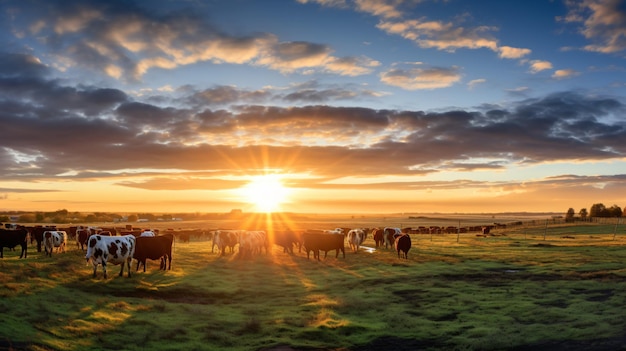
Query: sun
[267,193]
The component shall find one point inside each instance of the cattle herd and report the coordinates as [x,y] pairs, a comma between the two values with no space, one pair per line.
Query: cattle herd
[105,246]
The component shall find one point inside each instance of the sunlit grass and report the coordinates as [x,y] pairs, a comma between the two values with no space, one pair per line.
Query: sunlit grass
[512,289]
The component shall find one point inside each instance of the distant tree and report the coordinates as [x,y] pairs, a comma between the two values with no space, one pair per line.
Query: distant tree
[132,218]
[28,218]
[116,216]
[598,210]
[59,219]
[4,218]
[614,211]
[149,216]
[583,213]
[569,216]
[91,218]
[39,217]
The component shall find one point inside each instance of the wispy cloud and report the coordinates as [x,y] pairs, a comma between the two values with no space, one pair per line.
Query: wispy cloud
[475,82]
[602,22]
[416,78]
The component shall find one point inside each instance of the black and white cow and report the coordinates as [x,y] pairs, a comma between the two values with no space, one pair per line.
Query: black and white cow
[110,249]
[52,239]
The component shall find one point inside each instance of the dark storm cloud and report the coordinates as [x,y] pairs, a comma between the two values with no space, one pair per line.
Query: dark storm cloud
[319,96]
[23,83]
[313,93]
[20,65]
[226,95]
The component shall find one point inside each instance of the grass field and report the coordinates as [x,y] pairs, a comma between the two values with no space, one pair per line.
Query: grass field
[552,287]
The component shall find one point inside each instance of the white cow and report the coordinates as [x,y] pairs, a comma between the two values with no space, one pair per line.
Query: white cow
[148,233]
[355,238]
[110,249]
[52,239]
[251,242]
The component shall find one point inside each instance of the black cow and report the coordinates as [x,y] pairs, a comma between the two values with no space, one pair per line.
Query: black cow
[12,238]
[403,244]
[324,242]
[154,248]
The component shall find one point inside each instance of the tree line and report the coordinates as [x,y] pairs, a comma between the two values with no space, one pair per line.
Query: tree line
[596,210]
[66,217]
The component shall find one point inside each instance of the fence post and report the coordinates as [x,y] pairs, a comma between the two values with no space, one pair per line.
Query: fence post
[458,232]
[545,230]
[615,229]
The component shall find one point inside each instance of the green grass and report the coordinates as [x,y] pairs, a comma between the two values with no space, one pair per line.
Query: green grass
[511,290]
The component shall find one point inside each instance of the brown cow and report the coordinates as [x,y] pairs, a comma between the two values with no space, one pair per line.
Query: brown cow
[324,242]
[154,248]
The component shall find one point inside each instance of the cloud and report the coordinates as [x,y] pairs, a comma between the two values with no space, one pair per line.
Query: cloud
[565,73]
[304,93]
[225,95]
[603,23]
[330,3]
[473,83]
[94,132]
[441,35]
[512,53]
[427,33]
[537,66]
[113,40]
[417,78]
[384,9]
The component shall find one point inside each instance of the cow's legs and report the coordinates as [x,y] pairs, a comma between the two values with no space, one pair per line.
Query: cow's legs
[127,266]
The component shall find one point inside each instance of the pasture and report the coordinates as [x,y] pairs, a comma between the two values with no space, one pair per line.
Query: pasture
[556,287]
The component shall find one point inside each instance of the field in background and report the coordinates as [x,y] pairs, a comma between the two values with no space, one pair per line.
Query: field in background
[540,285]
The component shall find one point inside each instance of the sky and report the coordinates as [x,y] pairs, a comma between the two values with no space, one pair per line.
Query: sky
[316,106]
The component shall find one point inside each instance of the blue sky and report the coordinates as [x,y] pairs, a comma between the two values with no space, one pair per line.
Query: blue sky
[357,106]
